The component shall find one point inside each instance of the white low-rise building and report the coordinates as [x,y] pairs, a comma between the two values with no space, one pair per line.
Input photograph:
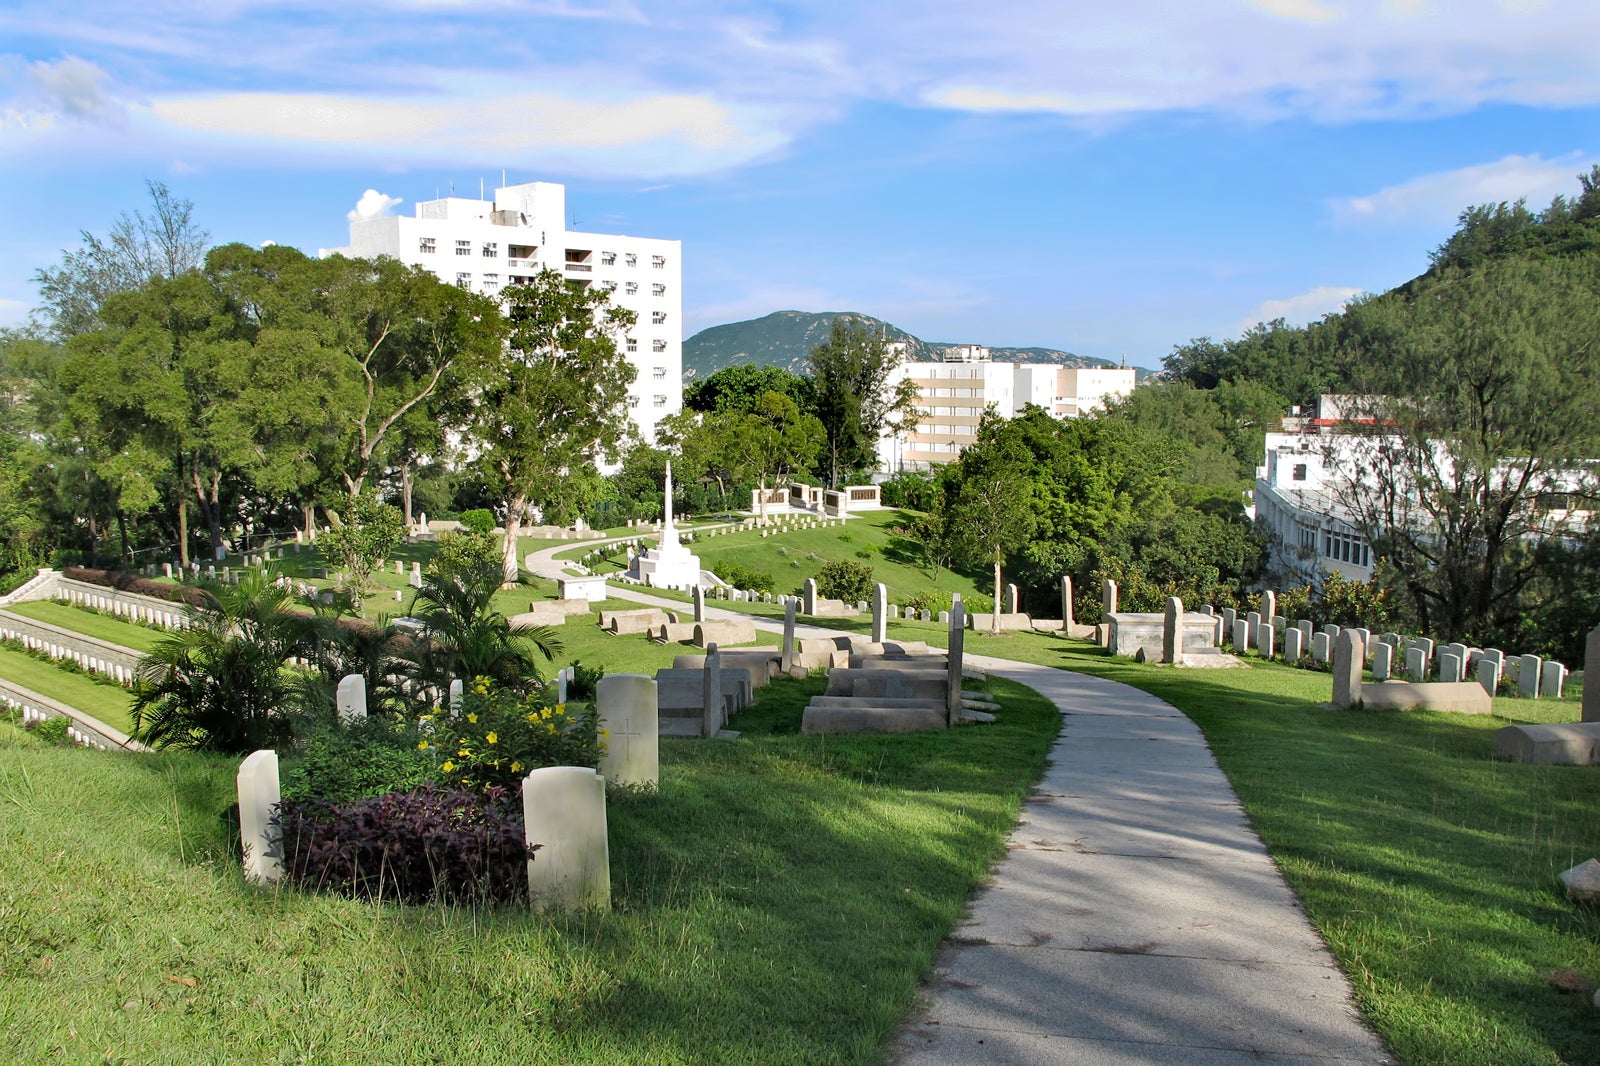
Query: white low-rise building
[489,245]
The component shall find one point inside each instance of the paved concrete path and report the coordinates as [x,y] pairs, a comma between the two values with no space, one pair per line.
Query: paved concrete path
[1136,918]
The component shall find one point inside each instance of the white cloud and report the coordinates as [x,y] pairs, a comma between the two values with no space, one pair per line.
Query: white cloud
[642,133]
[1299,10]
[41,93]
[1440,197]
[1298,310]
[373,204]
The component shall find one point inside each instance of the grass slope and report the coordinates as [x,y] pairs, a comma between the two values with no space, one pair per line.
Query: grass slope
[776,902]
[89,623]
[106,702]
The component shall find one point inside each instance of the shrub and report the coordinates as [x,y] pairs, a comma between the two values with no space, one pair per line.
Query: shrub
[53,730]
[745,577]
[116,579]
[584,680]
[414,847]
[917,491]
[479,520]
[933,602]
[500,735]
[350,762]
[844,580]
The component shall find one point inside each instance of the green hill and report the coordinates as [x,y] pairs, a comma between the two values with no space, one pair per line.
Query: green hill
[785,339]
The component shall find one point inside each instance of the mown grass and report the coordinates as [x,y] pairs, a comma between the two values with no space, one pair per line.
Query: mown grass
[108,703]
[89,623]
[791,557]
[776,901]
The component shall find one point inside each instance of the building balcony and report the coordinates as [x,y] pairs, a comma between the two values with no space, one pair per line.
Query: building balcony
[584,267]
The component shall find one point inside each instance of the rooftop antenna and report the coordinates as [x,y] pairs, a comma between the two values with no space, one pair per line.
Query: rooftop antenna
[480,187]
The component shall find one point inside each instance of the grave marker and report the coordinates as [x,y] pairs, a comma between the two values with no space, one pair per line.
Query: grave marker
[954,661]
[1172,632]
[788,636]
[259,796]
[880,613]
[1348,655]
[564,809]
[1066,602]
[711,693]
[1528,667]
[626,705]
[351,698]
[1293,645]
[1382,661]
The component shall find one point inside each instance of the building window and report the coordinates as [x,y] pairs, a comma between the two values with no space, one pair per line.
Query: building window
[631,260]
[609,286]
[491,250]
[633,345]
[426,245]
[1308,538]
[491,283]
[659,372]
[658,345]
[657,317]
[1299,471]
[660,399]
[463,247]
[464,280]
[1346,549]
[658,290]
[633,287]
[659,262]
[633,401]
[608,259]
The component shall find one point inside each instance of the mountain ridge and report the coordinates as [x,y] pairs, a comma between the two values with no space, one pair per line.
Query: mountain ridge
[785,339]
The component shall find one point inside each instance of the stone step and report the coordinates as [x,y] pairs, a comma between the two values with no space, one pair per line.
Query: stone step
[877,701]
[871,716]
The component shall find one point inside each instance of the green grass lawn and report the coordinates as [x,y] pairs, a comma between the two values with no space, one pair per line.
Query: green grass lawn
[90,624]
[105,702]
[777,901]
[791,557]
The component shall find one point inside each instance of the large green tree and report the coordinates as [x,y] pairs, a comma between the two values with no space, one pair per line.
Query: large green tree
[990,511]
[1484,385]
[855,396]
[552,403]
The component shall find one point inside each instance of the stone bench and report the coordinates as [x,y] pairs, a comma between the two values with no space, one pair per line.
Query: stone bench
[674,632]
[1131,633]
[1567,743]
[762,663]
[624,622]
[537,618]
[984,623]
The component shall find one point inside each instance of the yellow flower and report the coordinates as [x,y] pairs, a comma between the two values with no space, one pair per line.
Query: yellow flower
[561,708]
[427,718]
[472,719]
[422,746]
[492,738]
[532,717]
[448,766]
[516,767]
[464,753]
[545,714]
[605,732]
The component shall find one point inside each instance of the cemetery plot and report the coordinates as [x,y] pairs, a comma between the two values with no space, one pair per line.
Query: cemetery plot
[104,627]
[109,703]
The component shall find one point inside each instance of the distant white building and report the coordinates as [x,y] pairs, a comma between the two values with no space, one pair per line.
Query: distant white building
[952,396]
[1315,468]
[489,245]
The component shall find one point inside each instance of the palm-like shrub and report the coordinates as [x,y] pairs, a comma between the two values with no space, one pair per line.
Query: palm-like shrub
[466,638]
[220,684]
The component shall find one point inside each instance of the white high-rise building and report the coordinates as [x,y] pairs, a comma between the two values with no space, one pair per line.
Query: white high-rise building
[489,245]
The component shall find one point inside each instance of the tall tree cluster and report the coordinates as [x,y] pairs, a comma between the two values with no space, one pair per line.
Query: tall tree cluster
[168,398]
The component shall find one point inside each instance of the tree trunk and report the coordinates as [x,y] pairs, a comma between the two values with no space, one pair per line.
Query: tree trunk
[515,507]
[994,618]
[94,540]
[183,532]
[309,510]
[763,499]
[122,534]
[405,491]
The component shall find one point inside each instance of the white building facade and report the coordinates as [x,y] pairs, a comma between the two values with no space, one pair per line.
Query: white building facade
[489,245]
[1297,503]
[952,396]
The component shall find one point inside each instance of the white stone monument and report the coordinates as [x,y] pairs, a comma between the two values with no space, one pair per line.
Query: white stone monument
[669,564]
[880,613]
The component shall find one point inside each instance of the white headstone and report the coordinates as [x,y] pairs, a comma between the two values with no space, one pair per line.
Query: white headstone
[1528,667]
[1348,655]
[351,698]
[1264,640]
[1382,661]
[1240,636]
[955,661]
[1066,601]
[626,704]
[1416,664]
[1294,646]
[1488,674]
[880,613]
[808,596]
[259,796]
[1321,647]
[1451,667]
[564,810]
[712,706]
[454,698]
[699,604]
[563,678]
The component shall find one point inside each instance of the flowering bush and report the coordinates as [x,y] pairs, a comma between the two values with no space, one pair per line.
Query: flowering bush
[412,847]
[500,735]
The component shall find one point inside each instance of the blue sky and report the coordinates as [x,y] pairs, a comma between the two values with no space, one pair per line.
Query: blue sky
[1107,179]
